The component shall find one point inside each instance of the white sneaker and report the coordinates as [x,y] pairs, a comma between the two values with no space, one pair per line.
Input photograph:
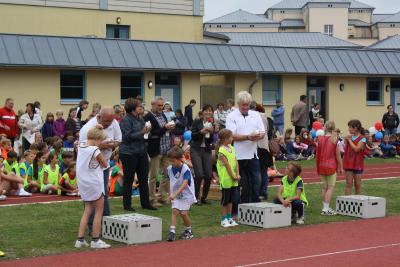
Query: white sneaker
[232,222]
[225,223]
[81,244]
[72,194]
[23,193]
[300,220]
[99,244]
[328,212]
[3,197]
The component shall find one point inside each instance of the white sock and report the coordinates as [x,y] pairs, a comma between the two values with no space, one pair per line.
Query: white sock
[325,206]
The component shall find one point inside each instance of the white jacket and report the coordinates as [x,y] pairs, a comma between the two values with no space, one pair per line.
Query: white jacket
[30,127]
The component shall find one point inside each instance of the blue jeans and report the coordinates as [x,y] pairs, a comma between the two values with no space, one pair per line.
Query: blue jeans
[106,211]
[250,181]
[280,129]
[391,131]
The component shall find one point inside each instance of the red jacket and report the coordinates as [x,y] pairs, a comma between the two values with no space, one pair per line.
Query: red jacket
[8,118]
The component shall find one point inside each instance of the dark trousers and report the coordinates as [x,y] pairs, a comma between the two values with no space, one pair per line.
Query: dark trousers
[250,180]
[297,206]
[25,144]
[202,166]
[297,129]
[235,200]
[106,210]
[138,164]
[263,155]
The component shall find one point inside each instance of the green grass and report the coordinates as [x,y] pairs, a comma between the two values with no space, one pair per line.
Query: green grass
[44,229]
[311,163]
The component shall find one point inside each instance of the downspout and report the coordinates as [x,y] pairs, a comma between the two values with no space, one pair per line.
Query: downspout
[258,75]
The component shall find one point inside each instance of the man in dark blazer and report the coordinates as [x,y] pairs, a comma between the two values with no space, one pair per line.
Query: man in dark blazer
[189,113]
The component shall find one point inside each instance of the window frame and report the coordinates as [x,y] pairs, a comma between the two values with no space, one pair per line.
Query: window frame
[70,73]
[379,102]
[328,29]
[119,26]
[134,74]
[278,91]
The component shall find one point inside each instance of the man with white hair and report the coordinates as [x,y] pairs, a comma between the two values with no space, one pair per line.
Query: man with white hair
[247,128]
[105,120]
[159,143]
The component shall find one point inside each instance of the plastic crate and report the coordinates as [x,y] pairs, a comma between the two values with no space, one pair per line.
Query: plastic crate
[132,228]
[361,206]
[265,215]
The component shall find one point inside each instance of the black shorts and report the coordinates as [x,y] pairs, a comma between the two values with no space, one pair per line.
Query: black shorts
[355,171]
[227,196]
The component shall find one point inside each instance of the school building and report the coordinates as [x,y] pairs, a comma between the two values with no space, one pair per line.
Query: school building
[60,52]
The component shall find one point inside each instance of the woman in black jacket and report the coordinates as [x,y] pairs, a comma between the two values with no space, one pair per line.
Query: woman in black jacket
[180,123]
[390,121]
[202,132]
[133,154]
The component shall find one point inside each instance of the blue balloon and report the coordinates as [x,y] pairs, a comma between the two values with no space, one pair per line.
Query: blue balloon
[378,135]
[187,136]
[313,133]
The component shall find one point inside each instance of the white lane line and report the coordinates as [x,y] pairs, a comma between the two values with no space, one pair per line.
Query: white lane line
[321,255]
[52,202]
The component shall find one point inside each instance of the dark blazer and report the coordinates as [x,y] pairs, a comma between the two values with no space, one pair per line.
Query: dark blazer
[133,142]
[189,115]
[155,134]
[180,126]
[198,137]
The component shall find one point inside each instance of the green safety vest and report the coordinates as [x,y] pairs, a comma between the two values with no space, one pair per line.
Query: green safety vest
[36,179]
[290,190]
[225,180]
[52,176]
[22,166]
[9,167]
[72,182]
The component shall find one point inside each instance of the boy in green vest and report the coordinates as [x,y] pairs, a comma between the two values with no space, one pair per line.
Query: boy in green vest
[9,181]
[291,192]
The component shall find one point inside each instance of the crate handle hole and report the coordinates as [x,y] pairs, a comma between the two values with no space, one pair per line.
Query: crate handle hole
[145,225]
[277,211]
[374,203]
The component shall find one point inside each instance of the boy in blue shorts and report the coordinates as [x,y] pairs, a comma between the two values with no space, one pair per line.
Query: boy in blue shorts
[182,194]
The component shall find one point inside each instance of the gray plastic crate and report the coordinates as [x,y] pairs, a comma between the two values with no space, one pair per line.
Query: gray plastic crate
[361,206]
[132,228]
[265,215]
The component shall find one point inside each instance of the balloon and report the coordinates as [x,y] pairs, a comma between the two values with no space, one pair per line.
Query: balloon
[372,130]
[317,125]
[313,133]
[320,133]
[379,126]
[187,136]
[379,136]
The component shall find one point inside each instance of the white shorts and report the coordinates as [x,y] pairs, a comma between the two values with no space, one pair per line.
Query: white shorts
[181,204]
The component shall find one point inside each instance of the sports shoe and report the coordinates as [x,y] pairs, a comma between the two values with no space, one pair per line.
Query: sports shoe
[328,212]
[225,223]
[99,244]
[3,197]
[72,194]
[81,244]
[23,193]
[187,235]
[232,222]
[171,237]
[300,220]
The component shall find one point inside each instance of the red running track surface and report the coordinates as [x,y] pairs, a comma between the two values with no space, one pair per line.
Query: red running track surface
[371,242]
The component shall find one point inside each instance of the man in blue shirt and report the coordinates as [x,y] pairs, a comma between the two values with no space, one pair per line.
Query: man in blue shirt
[278,114]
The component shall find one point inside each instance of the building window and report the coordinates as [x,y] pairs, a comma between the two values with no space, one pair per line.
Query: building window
[328,29]
[271,89]
[374,91]
[72,86]
[117,31]
[131,85]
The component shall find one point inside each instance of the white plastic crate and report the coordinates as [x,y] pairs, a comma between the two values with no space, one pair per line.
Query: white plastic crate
[361,206]
[132,228]
[265,215]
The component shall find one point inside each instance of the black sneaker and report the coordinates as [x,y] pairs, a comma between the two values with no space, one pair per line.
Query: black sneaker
[171,237]
[187,235]
[205,202]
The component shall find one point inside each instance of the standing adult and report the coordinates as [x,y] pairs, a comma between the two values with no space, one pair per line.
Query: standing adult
[230,106]
[247,128]
[133,154]
[30,123]
[314,114]
[9,121]
[202,133]
[83,105]
[390,121]
[95,110]
[105,120]
[38,109]
[168,112]
[299,115]
[189,112]
[159,143]
[220,116]
[278,113]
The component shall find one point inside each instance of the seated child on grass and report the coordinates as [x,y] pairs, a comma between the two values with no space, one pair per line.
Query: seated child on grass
[10,183]
[26,163]
[387,147]
[35,173]
[291,192]
[5,147]
[68,183]
[66,159]
[373,148]
[51,176]
[116,176]
[181,192]
[69,142]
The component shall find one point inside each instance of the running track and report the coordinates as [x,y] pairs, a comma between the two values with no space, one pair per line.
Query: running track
[309,175]
[374,242]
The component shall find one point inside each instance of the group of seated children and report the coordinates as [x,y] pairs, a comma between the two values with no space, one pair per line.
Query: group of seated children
[389,147]
[302,147]
[39,170]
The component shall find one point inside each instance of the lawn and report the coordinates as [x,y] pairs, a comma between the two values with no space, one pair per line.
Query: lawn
[311,163]
[45,229]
